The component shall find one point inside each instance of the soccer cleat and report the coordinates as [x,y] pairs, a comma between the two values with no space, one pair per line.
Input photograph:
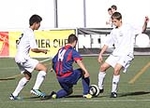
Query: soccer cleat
[113,95]
[11,97]
[88,96]
[52,95]
[37,92]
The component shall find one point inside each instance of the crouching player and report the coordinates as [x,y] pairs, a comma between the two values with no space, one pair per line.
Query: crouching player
[66,76]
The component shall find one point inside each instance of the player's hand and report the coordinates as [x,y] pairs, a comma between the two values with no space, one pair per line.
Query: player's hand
[86,74]
[45,51]
[146,19]
[100,58]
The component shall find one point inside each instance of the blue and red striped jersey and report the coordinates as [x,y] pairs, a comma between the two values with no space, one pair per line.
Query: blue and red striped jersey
[64,59]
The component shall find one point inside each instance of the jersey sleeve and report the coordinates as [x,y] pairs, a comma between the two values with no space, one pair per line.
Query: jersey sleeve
[109,39]
[76,55]
[137,29]
[33,43]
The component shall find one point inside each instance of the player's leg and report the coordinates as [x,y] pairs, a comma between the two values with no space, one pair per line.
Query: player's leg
[40,78]
[101,76]
[66,90]
[85,84]
[41,75]
[77,74]
[126,61]
[115,80]
[122,63]
[86,87]
[23,81]
[68,82]
[25,69]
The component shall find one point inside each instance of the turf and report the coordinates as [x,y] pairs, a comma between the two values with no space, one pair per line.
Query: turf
[132,93]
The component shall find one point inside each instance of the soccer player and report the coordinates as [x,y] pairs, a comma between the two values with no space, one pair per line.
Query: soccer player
[113,8]
[123,37]
[66,75]
[109,22]
[27,64]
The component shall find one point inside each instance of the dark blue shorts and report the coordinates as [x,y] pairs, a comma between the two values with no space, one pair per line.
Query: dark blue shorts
[68,82]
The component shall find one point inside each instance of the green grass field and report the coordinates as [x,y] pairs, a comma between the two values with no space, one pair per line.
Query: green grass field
[134,87]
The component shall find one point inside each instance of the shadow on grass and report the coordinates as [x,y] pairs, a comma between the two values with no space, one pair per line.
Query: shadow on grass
[75,96]
[78,96]
[32,97]
[100,96]
[133,93]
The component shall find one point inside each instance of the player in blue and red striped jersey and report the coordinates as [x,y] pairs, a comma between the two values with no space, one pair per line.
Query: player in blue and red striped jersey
[66,75]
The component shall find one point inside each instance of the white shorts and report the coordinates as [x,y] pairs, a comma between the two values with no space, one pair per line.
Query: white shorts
[29,65]
[122,60]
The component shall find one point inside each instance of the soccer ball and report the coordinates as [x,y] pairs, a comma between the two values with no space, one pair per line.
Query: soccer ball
[142,40]
[94,90]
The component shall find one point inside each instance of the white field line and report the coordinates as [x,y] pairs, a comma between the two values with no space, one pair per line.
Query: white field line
[86,100]
[100,100]
[15,76]
[15,67]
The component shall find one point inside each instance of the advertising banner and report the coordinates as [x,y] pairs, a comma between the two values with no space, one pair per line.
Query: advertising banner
[4,44]
[50,39]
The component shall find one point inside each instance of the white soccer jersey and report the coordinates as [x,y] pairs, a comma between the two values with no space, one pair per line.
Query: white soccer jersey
[123,38]
[24,44]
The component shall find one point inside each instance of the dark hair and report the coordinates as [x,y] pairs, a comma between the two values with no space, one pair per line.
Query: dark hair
[109,9]
[34,19]
[72,38]
[116,15]
[114,7]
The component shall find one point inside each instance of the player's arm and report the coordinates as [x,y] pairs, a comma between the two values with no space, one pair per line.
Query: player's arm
[81,65]
[100,58]
[34,47]
[145,24]
[37,50]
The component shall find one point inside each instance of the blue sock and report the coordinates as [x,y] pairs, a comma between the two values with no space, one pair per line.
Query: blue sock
[85,84]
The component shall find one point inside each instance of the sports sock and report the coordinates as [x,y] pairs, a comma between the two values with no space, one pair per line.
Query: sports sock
[20,86]
[85,84]
[101,77]
[115,82]
[40,78]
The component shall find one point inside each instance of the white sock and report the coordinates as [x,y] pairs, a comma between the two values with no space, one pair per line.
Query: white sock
[101,77]
[115,82]
[40,78]
[20,86]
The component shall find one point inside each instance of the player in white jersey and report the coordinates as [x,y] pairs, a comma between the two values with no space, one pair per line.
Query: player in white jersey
[27,64]
[122,36]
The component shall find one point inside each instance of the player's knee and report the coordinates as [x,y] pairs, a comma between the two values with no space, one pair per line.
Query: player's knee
[28,75]
[45,69]
[103,68]
[41,67]
[116,71]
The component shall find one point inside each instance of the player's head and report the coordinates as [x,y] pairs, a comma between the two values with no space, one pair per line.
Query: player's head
[114,8]
[35,21]
[117,19]
[72,39]
[109,11]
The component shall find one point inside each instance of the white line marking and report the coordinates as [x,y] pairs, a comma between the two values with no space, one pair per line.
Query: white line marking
[9,68]
[99,100]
